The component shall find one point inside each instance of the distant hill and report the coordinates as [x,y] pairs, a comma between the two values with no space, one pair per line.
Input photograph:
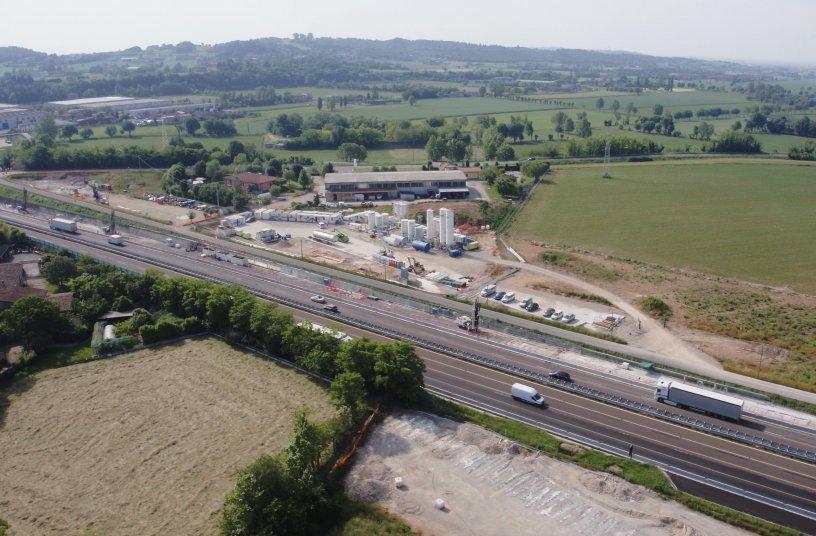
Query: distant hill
[15,54]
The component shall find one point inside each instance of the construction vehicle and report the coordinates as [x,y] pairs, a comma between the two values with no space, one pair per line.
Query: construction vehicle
[415,266]
[464,322]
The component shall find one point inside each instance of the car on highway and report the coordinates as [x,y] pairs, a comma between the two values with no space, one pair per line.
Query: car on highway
[560,375]
[532,307]
[317,298]
[549,312]
[332,308]
[569,317]
[526,394]
[557,315]
[499,295]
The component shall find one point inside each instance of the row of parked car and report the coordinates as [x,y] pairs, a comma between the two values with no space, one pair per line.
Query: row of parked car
[490,291]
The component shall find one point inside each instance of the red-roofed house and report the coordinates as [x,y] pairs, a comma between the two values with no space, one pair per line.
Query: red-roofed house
[251,182]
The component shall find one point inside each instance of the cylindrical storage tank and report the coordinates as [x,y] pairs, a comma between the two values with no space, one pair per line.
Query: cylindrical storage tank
[108,333]
[437,225]
[394,240]
[446,220]
[400,209]
[429,221]
[420,232]
[405,228]
[320,235]
[372,220]
[419,245]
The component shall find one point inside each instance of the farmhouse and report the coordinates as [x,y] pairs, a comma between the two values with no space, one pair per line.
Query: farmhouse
[395,185]
[18,119]
[251,182]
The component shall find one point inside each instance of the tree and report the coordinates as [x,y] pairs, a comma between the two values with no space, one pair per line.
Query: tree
[347,392]
[234,148]
[240,200]
[505,152]
[600,103]
[658,109]
[351,151]
[192,125]
[110,130]
[569,125]
[305,179]
[490,174]
[128,127]
[398,372]
[412,100]
[705,131]
[69,131]
[583,129]
[507,186]
[615,106]
[46,129]
[492,139]
[305,452]
[58,270]
[535,169]
[219,128]
[737,125]
[320,103]
[435,121]
[33,321]
[359,356]
[86,133]
[559,120]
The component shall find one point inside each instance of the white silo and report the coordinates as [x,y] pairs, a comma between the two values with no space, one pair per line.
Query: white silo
[412,225]
[429,222]
[446,227]
[437,225]
[372,220]
[400,209]
[404,227]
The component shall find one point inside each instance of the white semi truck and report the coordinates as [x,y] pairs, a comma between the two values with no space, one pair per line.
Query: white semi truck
[695,398]
[63,224]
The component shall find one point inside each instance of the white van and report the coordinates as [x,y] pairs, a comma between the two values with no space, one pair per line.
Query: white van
[488,291]
[509,297]
[525,393]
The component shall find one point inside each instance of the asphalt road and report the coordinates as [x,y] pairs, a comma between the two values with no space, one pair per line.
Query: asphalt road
[633,351]
[783,482]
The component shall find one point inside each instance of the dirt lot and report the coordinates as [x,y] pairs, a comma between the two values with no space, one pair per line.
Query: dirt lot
[492,486]
[146,443]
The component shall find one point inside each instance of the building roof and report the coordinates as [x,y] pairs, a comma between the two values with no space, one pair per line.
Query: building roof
[12,294]
[395,176]
[10,274]
[252,178]
[471,169]
[63,299]
[92,100]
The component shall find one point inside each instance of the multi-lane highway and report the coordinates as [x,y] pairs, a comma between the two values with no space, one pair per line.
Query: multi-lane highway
[787,485]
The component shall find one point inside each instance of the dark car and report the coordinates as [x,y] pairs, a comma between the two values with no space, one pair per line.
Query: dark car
[532,307]
[499,295]
[332,308]
[560,375]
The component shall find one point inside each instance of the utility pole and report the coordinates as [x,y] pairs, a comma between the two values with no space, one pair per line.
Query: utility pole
[607,154]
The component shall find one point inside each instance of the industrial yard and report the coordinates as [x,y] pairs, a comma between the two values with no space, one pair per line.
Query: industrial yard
[155,439]
[490,485]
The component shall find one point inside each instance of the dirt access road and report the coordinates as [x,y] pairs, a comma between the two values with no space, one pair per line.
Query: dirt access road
[147,443]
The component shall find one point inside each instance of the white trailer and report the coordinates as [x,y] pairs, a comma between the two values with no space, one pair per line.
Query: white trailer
[322,236]
[62,224]
[698,399]
[116,240]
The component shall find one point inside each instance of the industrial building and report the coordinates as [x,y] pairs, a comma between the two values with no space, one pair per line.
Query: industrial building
[395,185]
[134,107]
[14,118]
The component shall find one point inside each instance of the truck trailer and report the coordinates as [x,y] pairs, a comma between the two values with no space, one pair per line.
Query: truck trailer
[116,240]
[62,224]
[698,399]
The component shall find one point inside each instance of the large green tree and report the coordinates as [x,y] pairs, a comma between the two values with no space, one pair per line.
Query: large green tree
[33,321]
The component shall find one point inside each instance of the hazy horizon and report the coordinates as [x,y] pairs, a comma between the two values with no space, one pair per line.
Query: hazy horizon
[725,30]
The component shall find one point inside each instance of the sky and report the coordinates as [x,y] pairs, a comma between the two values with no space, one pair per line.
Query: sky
[746,30]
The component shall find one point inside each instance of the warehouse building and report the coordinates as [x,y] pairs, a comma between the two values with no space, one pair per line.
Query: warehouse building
[408,185]
[14,118]
[121,104]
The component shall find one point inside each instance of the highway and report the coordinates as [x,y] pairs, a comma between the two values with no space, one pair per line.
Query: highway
[579,338]
[787,484]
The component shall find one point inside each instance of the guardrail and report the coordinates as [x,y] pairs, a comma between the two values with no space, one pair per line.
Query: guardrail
[614,400]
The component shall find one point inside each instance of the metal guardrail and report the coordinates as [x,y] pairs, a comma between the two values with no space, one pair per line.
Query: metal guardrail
[614,400]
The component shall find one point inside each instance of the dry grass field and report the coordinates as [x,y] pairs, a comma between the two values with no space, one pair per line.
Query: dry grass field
[145,443]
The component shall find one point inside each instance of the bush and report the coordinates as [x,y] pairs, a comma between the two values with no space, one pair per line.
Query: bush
[161,331]
[656,307]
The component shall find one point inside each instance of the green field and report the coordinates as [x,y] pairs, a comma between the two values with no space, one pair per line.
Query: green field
[749,219]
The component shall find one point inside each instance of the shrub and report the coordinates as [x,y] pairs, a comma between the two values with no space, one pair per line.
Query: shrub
[656,307]
[162,330]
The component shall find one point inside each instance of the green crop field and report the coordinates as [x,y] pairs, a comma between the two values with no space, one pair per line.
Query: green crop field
[750,219]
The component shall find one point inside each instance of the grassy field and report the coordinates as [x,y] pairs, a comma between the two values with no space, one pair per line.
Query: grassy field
[749,219]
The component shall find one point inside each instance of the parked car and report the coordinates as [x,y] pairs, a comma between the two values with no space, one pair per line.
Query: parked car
[557,315]
[499,295]
[526,301]
[509,297]
[569,317]
[318,299]
[488,290]
[549,312]
[532,307]
[560,375]
[332,308]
